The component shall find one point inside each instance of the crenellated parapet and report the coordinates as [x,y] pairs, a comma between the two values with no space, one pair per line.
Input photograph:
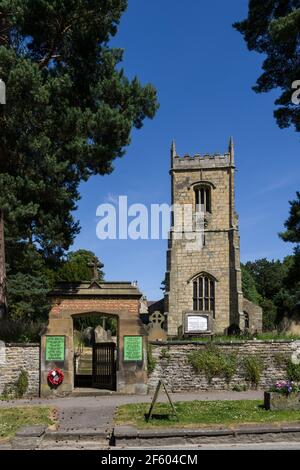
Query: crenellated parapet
[205,161]
[197,161]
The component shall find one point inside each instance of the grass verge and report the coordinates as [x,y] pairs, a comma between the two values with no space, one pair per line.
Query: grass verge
[203,413]
[11,419]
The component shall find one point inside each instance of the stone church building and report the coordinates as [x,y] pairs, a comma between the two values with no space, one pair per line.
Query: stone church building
[203,285]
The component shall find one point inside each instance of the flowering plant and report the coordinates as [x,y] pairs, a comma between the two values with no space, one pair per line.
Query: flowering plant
[285,387]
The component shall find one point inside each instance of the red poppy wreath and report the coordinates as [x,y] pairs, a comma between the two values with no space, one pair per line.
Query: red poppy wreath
[55,376]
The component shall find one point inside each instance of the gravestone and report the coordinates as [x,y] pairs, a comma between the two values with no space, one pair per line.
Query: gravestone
[101,335]
[88,336]
[155,327]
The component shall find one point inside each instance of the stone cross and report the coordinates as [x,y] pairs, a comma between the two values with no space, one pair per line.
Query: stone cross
[157,317]
[95,264]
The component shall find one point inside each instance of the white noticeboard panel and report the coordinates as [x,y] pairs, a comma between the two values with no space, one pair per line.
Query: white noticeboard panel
[197,323]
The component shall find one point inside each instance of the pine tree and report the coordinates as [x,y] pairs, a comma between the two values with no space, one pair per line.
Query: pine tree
[272,28]
[69,113]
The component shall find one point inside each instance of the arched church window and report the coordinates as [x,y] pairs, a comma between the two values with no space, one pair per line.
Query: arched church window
[204,293]
[203,198]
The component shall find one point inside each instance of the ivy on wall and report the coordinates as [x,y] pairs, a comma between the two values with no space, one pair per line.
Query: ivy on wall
[215,363]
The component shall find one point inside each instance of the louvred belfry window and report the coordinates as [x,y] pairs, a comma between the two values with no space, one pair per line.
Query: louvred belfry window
[203,198]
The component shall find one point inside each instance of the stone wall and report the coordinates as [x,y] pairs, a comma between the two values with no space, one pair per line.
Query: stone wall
[14,358]
[173,367]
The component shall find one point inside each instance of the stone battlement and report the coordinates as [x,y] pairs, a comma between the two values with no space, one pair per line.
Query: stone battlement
[201,161]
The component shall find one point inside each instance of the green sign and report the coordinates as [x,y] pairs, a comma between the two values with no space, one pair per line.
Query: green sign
[133,348]
[55,348]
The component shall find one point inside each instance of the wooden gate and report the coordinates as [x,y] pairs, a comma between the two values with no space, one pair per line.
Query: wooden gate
[104,366]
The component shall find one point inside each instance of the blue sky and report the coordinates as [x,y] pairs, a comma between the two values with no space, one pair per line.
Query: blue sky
[203,73]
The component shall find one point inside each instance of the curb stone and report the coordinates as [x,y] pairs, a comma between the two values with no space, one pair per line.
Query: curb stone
[129,435]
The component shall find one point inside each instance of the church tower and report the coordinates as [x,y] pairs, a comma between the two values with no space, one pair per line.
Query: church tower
[204,282]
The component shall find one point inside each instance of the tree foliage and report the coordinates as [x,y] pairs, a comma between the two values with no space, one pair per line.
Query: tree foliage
[268,276]
[272,28]
[76,268]
[69,113]
[292,234]
[292,225]
[27,297]
[270,285]
[249,286]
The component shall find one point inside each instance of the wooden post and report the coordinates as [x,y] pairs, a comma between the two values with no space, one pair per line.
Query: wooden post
[160,384]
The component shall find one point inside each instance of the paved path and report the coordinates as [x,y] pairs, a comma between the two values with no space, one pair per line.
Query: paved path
[98,412]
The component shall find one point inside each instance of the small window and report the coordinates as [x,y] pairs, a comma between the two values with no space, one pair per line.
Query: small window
[204,294]
[203,198]
[246,319]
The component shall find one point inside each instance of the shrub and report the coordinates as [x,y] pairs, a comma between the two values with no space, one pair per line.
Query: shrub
[18,331]
[8,392]
[213,363]
[253,367]
[16,389]
[293,371]
[21,384]
[165,353]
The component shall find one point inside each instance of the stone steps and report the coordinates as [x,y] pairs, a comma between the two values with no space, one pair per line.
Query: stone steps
[91,392]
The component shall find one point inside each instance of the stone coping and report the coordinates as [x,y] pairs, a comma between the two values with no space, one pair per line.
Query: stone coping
[95,293]
[222,343]
[96,289]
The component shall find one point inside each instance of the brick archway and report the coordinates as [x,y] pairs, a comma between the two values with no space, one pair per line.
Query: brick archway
[118,299]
